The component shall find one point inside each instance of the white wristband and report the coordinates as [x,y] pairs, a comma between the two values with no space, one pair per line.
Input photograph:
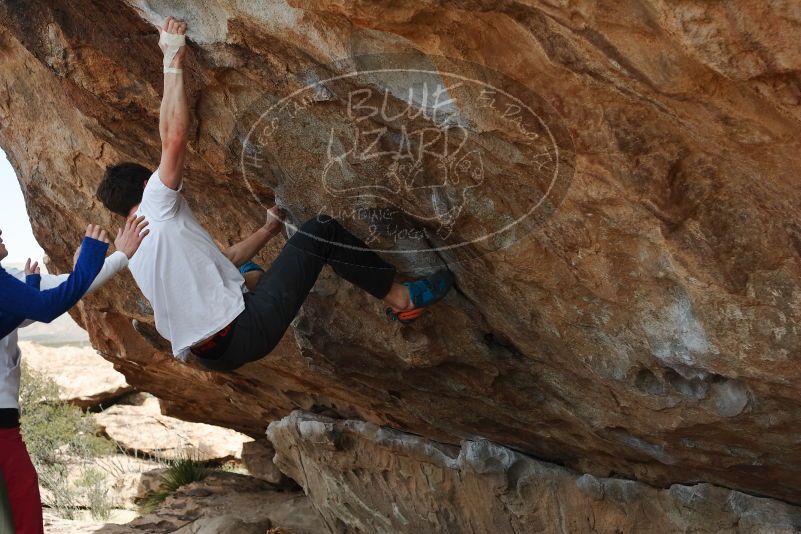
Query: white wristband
[171,70]
[173,42]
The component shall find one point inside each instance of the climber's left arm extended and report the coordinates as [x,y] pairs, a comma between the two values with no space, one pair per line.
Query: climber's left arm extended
[174,113]
[245,250]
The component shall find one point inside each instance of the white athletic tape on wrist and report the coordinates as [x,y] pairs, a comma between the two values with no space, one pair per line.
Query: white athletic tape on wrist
[173,43]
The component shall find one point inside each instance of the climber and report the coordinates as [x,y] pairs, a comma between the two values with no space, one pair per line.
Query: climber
[16,470]
[196,290]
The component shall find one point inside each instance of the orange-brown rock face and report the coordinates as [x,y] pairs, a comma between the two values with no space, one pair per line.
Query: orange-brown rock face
[614,184]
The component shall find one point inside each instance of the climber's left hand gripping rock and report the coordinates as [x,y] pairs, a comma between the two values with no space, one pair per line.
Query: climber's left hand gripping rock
[173,44]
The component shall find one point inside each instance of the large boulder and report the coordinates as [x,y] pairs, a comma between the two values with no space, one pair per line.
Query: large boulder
[229,503]
[84,378]
[257,458]
[614,184]
[223,503]
[144,430]
[363,478]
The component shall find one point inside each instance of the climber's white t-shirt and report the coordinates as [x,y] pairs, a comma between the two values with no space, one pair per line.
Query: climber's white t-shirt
[195,291]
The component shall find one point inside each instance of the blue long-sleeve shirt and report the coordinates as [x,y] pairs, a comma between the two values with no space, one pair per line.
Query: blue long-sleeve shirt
[20,301]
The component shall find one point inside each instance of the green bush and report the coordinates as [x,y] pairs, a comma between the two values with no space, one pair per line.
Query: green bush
[53,428]
[179,473]
[57,435]
[95,489]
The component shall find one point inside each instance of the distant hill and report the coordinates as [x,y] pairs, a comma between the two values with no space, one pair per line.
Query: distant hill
[62,331]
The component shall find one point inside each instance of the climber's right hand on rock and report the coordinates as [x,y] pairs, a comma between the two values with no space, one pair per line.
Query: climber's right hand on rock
[275,220]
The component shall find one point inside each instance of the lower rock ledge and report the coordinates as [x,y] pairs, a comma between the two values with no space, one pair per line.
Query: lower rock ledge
[365,478]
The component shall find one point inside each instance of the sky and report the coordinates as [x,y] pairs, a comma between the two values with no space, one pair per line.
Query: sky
[14,222]
[21,245]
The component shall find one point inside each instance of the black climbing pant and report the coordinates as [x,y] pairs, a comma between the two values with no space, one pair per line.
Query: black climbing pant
[272,305]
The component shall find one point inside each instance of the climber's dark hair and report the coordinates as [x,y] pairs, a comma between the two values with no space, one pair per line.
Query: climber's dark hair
[122,187]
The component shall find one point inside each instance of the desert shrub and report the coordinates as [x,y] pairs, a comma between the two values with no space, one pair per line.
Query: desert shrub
[53,428]
[58,435]
[178,473]
[61,496]
[94,484]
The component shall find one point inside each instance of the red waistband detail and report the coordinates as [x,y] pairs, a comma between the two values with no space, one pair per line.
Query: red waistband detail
[211,343]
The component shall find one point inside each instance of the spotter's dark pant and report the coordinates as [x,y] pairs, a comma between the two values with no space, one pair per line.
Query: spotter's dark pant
[275,301]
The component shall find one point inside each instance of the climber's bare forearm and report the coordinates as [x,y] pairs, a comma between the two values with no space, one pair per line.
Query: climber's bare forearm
[174,115]
[174,128]
[245,250]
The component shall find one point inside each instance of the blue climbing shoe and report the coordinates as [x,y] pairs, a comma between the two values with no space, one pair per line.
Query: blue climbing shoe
[423,293]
